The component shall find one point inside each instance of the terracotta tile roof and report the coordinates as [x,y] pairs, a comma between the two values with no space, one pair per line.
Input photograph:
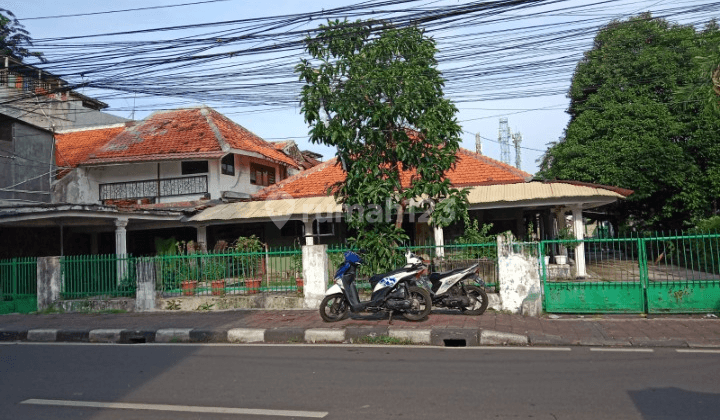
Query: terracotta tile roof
[167,135]
[75,147]
[470,169]
[238,137]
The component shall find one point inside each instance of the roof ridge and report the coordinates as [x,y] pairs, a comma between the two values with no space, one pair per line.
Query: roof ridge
[92,128]
[206,112]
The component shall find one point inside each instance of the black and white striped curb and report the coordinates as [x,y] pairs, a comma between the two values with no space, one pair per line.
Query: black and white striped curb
[455,337]
[428,336]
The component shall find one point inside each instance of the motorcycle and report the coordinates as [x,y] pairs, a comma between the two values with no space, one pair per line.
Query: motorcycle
[395,291]
[449,290]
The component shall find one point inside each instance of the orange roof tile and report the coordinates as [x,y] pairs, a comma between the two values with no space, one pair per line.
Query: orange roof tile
[470,169]
[75,147]
[168,135]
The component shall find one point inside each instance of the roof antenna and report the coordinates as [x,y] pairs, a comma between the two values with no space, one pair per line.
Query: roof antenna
[132,114]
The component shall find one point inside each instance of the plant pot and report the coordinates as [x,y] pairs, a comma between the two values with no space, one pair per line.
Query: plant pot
[299,283]
[547,260]
[188,287]
[218,287]
[253,285]
[561,259]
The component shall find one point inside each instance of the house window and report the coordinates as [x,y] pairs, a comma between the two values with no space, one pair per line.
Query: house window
[262,175]
[6,130]
[194,167]
[227,165]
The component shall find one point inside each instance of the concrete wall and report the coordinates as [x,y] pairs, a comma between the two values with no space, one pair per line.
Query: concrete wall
[56,111]
[519,276]
[28,169]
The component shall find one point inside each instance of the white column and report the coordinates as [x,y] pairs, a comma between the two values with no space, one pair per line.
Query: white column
[202,237]
[439,241]
[308,232]
[579,228]
[315,274]
[121,247]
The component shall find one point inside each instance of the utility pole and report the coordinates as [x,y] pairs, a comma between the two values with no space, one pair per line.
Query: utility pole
[478,144]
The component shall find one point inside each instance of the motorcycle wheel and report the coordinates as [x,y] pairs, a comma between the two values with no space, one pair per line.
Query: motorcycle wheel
[421,304]
[481,301]
[334,308]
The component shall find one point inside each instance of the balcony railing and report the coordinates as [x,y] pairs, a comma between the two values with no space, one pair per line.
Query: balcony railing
[168,187]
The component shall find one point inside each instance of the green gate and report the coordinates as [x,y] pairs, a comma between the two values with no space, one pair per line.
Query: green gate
[683,273]
[614,283]
[658,274]
[18,285]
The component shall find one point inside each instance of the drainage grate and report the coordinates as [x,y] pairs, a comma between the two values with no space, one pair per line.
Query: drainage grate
[455,342]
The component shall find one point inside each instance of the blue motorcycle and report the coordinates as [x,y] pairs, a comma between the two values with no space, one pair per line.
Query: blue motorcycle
[395,291]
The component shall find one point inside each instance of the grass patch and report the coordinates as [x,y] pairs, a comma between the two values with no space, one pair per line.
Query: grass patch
[384,339]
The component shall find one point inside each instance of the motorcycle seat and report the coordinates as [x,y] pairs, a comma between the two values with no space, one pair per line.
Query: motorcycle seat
[436,276]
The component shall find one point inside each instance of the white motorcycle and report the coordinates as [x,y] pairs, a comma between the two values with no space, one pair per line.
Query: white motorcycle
[452,289]
[391,292]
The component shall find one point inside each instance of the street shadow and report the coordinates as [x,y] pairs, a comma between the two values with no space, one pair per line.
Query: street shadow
[676,403]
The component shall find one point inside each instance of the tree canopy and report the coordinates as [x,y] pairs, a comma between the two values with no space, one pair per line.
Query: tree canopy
[375,93]
[14,39]
[634,122]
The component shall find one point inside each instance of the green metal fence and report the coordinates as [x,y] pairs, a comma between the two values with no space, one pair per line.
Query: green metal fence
[447,257]
[98,276]
[278,270]
[648,274]
[18,285]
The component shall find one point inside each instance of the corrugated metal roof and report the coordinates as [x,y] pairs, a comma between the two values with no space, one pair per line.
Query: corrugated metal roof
[536,191]
[270,209]
[522,193]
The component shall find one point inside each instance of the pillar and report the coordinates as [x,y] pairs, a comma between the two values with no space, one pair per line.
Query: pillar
[579,229]
[439,241]
[559,224]
[201,238]
[145,294]
[49,282]
[121,248]
[309,240]
[315,274]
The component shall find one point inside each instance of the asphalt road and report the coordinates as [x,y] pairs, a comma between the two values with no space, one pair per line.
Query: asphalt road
[352,382]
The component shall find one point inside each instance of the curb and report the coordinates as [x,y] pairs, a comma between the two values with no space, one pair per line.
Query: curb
[448,337]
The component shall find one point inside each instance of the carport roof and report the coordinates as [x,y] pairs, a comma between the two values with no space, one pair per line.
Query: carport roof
[530,195]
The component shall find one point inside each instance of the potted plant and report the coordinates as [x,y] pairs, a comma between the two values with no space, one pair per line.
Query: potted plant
[564,234]
[215,269]
[185,274]
[251,263]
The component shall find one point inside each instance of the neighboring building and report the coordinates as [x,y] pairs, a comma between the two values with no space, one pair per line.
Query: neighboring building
[180,155]
[33,105]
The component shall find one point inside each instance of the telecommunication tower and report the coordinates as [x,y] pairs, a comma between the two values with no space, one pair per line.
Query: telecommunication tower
[504,140]
[517,139]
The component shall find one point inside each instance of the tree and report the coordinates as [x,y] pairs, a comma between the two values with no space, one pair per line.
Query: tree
[14,39]
[375,93]
[630,126]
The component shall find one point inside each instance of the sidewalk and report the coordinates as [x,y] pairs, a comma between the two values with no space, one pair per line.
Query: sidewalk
[441,328]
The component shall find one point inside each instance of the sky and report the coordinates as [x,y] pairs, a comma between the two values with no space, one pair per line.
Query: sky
[534,77]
